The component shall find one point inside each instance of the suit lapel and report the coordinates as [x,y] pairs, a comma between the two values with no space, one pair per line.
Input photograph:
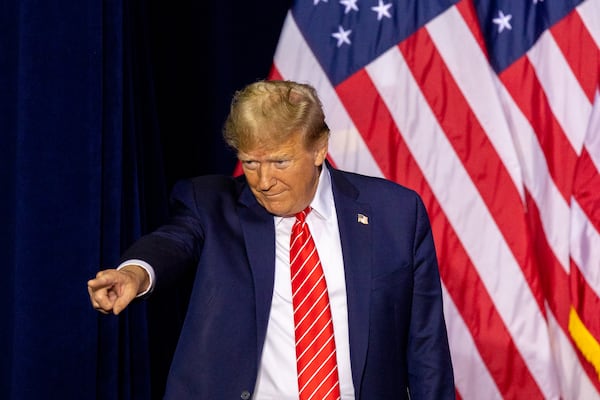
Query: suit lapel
[356,240]
[259,235]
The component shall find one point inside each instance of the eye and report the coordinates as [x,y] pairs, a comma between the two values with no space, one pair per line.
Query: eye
[280,164]
[249,164]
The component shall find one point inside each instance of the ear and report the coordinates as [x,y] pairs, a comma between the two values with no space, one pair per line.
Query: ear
[321,151]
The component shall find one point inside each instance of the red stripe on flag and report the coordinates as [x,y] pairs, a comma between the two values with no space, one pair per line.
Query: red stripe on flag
[466,9]
[586,188]
[274,73]
[376,126]
[521,82]
[579,50]
[554,279]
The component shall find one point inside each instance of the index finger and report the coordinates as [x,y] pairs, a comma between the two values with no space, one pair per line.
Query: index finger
[103,279]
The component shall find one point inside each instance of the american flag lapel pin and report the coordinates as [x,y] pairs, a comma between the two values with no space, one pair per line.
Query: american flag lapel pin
[363,219]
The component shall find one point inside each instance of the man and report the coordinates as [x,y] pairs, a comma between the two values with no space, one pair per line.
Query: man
[373,241]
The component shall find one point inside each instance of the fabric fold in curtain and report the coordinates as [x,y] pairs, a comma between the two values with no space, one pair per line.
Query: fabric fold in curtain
[80,169]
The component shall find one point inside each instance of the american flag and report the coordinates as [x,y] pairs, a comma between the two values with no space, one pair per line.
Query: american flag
[491,111]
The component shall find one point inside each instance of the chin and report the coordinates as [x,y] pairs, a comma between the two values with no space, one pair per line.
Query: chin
[279,211]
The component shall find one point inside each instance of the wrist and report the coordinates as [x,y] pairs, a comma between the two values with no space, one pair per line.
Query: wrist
[139,274]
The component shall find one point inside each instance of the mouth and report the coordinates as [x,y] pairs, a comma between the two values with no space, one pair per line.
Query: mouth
[268,195]
[271,201]
[271,196]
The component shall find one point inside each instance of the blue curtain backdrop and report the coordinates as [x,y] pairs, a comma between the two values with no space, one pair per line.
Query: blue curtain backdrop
[104,104]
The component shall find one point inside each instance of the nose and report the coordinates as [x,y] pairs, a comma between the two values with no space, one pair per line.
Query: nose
[266,179]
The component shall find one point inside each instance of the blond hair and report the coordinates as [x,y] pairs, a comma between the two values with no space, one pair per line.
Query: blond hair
[271,111]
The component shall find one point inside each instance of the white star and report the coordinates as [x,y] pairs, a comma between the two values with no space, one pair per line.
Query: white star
[382,10]
[342,36]
[502,21]
[350,5]
[315,2]
[537,1]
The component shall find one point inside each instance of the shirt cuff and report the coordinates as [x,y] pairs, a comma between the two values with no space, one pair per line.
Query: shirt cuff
[149,270]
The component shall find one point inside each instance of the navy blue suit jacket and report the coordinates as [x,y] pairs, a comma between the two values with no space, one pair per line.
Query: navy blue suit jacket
[397,332]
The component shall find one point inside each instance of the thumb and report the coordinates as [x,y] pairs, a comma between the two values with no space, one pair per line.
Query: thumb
[127,295]
[120,304]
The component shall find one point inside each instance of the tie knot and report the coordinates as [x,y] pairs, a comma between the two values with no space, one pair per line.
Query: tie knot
[301,216]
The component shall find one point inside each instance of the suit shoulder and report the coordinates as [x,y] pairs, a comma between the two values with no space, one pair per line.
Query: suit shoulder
[373,186]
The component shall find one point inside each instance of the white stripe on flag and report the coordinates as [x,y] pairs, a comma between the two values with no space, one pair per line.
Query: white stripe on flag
[471,375]
[586,252]
[590,14]
[592,138]
[568,102]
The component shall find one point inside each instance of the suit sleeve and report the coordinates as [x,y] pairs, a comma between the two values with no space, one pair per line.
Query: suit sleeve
[429,362]
[175,247]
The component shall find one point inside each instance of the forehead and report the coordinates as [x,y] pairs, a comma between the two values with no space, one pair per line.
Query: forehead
[271,149]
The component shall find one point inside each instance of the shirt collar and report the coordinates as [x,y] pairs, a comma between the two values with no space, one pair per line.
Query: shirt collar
[322,203]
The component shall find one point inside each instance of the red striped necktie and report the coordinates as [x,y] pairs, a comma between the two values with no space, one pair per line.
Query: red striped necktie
[315,344]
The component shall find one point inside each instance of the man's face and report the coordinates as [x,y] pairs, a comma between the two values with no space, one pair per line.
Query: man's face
[283,177]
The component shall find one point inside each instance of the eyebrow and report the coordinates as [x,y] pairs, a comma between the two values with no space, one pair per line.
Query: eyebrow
[270,158]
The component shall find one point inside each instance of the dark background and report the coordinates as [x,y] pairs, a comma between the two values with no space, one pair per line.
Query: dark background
[104,104]
[201,52]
